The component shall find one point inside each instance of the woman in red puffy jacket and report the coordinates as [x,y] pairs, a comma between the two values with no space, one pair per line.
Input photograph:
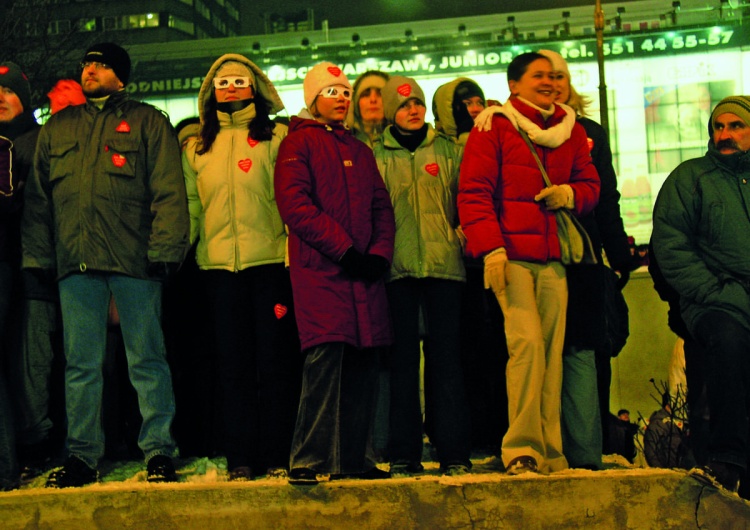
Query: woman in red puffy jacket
[507,213]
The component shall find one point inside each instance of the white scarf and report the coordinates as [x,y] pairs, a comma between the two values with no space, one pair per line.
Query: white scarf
[552,137]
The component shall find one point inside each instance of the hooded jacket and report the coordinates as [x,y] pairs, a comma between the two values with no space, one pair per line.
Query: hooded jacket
[500,178]
[701,234]
[354,114]
[332,197]
[107,193]
[442,109]
[423,187]
[233,211]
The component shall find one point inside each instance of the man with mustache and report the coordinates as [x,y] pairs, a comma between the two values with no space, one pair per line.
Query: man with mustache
[701,239]
[106,215]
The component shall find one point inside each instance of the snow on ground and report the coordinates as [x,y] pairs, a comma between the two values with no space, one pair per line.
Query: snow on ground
[125,475]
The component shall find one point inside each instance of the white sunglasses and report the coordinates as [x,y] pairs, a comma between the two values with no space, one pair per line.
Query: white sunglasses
[222,83]
[334,91]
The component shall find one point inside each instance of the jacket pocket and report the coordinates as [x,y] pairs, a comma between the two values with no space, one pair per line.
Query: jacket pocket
[121,165]
[62,160]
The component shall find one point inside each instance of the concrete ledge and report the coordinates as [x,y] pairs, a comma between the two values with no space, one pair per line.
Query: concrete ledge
[630,499]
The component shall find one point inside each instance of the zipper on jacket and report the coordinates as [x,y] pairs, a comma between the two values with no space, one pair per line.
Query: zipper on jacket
[418,217]
[232,203]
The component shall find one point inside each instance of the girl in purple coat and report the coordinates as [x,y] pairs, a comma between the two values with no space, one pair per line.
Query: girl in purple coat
[341,231]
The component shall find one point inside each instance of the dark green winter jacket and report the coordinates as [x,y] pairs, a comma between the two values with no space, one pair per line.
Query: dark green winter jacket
[108,192]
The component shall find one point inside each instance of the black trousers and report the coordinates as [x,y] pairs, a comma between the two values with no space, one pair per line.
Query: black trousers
[336,410]
[449,411]
[258,355]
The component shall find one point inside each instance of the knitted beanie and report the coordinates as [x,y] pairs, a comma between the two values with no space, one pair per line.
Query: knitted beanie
[467,89]
[113,55]
[11,76]
[320,76]
[397,91]
[738,105]
[558,63]
[235,68]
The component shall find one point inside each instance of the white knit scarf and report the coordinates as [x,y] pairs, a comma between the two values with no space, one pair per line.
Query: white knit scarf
[552,137]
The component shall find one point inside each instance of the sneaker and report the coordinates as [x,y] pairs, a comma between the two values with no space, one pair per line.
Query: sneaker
[303,476]
[373,474]
[160,469]
[240,474]
[73,474]
[522,464]
[277,473]
[456,470]
[718,475]
[406,470]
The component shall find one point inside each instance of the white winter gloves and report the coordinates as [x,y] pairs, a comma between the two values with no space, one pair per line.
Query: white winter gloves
[556,197]
[494,271]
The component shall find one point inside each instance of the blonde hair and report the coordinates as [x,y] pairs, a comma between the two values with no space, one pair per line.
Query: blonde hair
[578,102]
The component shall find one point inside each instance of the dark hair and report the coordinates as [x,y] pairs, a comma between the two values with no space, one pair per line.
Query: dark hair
[260,127]
[185,122]
[623,411]
[520,64]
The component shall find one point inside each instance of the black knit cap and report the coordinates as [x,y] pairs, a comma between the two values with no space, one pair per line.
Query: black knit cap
[113,55]
[466,90]
[11,76]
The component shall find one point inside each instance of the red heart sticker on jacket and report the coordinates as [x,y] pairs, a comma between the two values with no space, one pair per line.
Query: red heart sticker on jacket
[251,142]
[433,169]
[590,141]
[4,70]
[118,160]
[245,164]
[404,90]
[334,70]
[123,127]
[280,310]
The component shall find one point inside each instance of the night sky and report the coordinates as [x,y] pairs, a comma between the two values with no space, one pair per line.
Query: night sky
[342,13]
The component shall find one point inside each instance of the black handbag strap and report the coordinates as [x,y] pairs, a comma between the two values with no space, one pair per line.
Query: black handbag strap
[536,156]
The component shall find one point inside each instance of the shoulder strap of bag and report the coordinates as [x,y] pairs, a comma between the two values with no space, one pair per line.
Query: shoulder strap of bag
[536,156]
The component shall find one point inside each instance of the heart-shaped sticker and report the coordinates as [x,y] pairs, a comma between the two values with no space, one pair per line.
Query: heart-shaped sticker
[118,160]
[590,141]
[251,142]
[404,90]
[433,169]
[123,127]
[279,310]
[334,71]
[4,70]
[245,164]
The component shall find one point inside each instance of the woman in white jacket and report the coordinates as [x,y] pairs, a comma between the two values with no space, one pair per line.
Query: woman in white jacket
[241,245]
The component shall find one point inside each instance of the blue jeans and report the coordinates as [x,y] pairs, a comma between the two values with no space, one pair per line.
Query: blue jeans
[84,301]
[581,420]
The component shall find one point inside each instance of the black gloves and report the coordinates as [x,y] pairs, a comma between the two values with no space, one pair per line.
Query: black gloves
[368,267]
[375,267]
[161,270]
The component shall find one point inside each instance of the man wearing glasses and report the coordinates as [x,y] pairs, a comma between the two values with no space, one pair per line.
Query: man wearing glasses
[106,214]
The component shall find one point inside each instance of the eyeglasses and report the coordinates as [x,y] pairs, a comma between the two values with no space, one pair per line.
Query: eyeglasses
[334,92]
[97,65]
[222,83]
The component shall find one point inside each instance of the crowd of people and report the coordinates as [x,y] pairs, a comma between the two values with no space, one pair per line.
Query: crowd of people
[275,283]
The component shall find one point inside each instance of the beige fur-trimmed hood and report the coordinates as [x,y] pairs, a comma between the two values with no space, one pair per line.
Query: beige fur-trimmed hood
[263,84]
